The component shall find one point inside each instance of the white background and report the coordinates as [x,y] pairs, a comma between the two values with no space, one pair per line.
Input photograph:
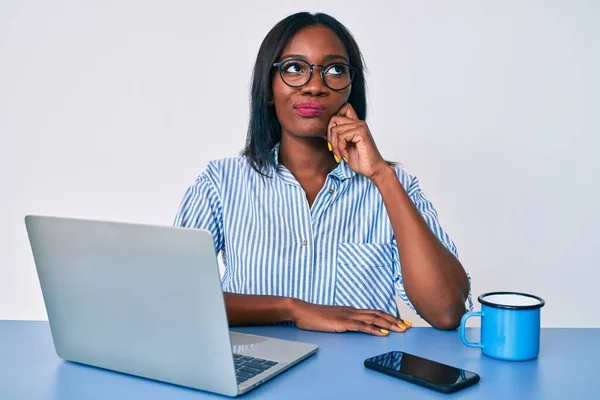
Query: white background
[110,109]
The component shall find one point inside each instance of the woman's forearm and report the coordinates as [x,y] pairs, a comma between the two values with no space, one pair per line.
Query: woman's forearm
[245,309]
[433,278]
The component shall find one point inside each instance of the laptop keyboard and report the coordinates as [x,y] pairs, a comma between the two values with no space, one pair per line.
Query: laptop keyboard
[248,367]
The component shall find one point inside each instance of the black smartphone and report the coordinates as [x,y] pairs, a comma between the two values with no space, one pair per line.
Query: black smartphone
[421,371]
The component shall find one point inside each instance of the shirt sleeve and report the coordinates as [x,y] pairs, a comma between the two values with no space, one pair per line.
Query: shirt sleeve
[201,208]
[429,214]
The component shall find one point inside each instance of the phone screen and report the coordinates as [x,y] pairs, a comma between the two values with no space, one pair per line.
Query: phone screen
[401,364]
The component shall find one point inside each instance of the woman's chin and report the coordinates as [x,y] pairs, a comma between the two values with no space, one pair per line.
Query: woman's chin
[314,131]
[320,135]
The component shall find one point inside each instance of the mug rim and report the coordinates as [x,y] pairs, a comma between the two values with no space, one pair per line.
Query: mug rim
[482,300]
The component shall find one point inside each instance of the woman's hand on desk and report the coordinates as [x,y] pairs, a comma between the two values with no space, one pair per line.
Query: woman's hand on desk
[317,317]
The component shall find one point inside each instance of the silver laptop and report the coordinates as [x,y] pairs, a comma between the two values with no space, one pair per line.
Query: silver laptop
[146,300]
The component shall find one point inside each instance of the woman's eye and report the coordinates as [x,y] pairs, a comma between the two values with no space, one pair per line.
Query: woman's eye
[337,69]
[293,68]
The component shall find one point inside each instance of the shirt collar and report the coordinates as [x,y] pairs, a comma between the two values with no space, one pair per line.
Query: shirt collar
[342,171]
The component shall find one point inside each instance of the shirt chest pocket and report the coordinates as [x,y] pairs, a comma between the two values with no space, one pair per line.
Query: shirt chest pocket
[365,277]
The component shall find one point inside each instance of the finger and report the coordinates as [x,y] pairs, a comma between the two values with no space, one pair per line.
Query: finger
[347,111]
[337,132]
[329,136]
[331,124]
[379,322]
[387,316]
[360,326]
[339,120]
[343,144]
[351,137]
[344,127]
[396,321]
[333,137]
[391,322]
[334,121]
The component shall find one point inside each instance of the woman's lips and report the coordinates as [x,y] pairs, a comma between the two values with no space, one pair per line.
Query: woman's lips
[308,112]
[309,109]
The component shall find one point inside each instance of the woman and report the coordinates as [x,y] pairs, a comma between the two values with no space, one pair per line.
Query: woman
[315,227]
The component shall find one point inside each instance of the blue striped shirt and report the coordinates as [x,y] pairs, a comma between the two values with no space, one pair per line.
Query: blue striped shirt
[341,251]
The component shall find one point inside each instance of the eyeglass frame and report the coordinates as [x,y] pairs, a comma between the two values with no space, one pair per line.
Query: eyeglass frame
[353,72]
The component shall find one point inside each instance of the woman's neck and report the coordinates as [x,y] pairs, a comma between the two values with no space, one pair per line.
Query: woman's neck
[305,156]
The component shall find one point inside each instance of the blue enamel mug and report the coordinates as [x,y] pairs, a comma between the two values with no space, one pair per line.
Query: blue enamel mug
[510,325]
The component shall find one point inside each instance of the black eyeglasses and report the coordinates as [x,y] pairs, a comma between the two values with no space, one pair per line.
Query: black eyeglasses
[297,73]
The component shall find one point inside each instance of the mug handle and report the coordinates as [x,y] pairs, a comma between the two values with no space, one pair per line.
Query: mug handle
[463,325]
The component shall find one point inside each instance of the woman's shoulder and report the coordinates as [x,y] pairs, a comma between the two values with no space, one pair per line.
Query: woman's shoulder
[219,171]
[226,164]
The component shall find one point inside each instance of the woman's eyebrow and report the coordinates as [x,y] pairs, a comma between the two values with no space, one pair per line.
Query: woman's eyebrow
[328,57]
[298,56]
[334,57]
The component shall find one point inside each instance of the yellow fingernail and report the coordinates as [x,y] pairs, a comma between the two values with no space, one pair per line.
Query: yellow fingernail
[384,331]
[345,159]
[329,146]
[336,158]
[407,323]
[402,327]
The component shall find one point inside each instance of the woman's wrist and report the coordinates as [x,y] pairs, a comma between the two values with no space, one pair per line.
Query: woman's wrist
[382,174]
[290,307]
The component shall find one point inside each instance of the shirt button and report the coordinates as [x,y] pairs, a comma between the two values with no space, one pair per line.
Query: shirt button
[304,243]
[330,191]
